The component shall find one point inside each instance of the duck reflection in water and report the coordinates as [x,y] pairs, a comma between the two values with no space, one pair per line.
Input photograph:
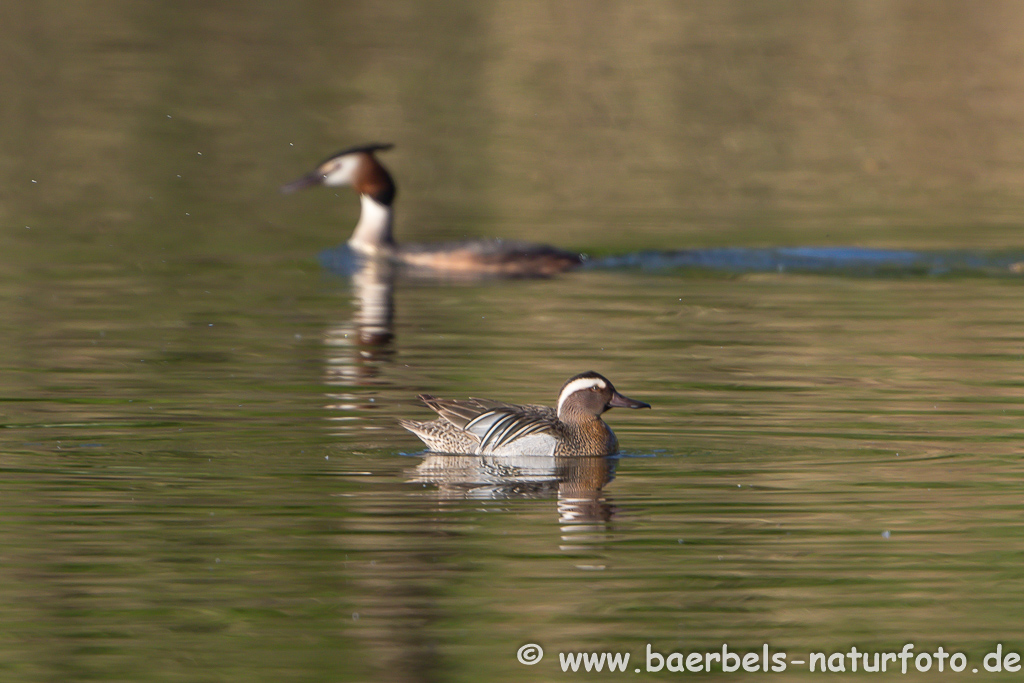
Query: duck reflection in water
[577,481]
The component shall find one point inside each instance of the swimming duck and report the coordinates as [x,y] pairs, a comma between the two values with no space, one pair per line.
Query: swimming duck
[484,427]
[359,167]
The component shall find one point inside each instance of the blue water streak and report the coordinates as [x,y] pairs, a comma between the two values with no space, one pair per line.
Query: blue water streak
[838,260]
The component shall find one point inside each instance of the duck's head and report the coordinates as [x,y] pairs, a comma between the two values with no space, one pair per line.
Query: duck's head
[587,395]
[355,166]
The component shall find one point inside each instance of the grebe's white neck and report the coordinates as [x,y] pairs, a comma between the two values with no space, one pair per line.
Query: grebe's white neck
[373,231]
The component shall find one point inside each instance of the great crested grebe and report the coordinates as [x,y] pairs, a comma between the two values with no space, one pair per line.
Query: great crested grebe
[483,427]
[359,168]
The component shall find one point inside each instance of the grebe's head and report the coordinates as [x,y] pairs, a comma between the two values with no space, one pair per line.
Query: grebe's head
[355,166]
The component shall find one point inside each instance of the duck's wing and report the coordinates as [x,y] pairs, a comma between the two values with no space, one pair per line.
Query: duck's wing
[503,426]
[459,412]
[496,424]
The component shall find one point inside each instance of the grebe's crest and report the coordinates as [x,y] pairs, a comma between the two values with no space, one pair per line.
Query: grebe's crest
[355,167]
[368,148]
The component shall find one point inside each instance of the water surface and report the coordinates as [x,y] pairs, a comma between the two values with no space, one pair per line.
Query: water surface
[203,475]
[830,461]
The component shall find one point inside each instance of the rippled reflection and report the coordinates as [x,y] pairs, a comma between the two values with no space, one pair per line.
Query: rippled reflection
[577,482]
[358,347]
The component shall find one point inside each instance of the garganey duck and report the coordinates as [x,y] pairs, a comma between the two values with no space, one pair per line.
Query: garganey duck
[484,427]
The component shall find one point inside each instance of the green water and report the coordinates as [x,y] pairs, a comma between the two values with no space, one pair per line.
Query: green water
[203,478]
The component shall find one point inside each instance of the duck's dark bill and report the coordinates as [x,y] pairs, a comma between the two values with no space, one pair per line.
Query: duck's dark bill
[620,401]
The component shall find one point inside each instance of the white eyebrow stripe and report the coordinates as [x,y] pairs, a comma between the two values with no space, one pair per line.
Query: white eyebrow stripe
[580,384]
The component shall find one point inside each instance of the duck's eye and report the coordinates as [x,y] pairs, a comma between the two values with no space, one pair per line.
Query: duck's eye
[595,389]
